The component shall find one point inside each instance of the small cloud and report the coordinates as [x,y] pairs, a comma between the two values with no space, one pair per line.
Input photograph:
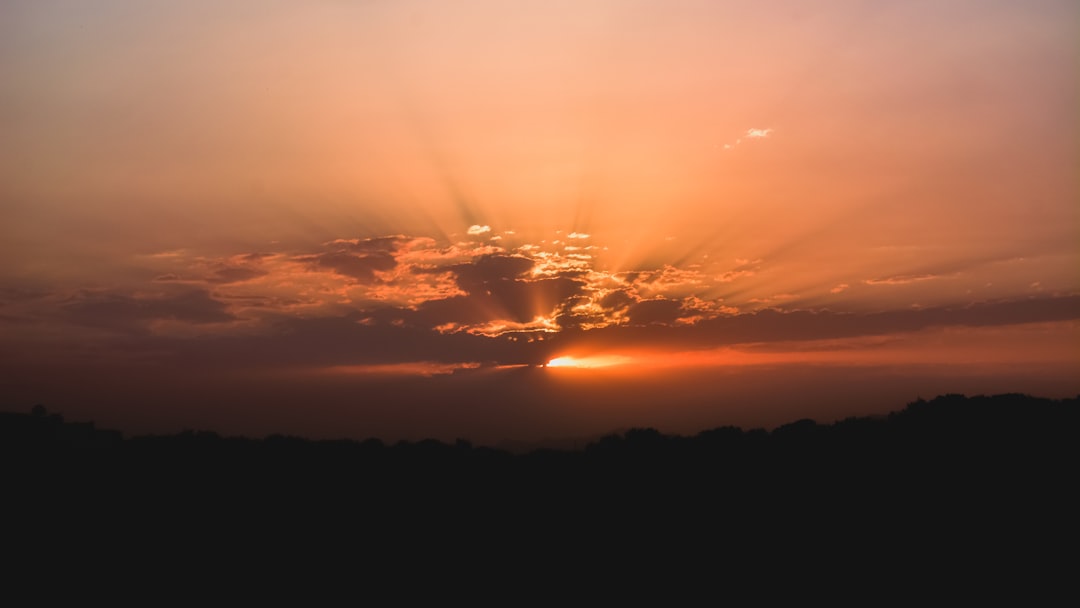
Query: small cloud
[578,235]
[745,268]
[901,279]
[731,275]
[174,253]
[839,288]
[476,229]
[750,134]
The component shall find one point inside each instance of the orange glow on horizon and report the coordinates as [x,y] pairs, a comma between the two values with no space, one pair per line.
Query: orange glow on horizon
[589,362]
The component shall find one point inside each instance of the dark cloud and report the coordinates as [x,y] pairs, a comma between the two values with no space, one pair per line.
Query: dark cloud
[261,300]
[192,306]
[518,301]
[348,340]
[394,336]
[771,325]
[360,267]
[657,311]
[497,289]
[617,300]
[480,274]
[567,317]
[119,310]
[222,274]
[359,259]
[382,244]
[235,274]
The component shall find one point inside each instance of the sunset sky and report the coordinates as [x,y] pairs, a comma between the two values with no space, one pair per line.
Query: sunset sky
[382,218]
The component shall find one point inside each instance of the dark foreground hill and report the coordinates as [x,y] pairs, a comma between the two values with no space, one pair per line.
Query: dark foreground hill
[954,482]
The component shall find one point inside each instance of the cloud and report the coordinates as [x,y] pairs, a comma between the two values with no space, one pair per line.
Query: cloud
[771,325]
[234,274]
[221,271]
[903,279]
[665,281]
[745,268]
[508,300]
[382,244]
[130,311]
[351,340]
[168,277]
[779,297]
[656,311]
[750,134]
[359,267]
[420,291]
[477,229]
[481,272]
[402,336]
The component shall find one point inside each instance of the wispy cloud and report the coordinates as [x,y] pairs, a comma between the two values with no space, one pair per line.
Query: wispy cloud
[902,279]
[750,134]
[745,268]
[477,229]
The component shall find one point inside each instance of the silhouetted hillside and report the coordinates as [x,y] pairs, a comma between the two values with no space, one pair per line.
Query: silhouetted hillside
[949,443]
[1008,425]
[983,483]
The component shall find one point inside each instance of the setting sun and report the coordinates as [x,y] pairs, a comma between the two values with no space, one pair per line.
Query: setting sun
[563,362]
[589,362]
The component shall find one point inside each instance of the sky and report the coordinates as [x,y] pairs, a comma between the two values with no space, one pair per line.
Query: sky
[533,220]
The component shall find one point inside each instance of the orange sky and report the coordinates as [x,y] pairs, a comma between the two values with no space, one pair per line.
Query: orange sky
[204,189]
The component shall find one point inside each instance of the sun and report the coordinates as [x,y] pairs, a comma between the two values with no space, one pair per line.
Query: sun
[563,362]
[588,362]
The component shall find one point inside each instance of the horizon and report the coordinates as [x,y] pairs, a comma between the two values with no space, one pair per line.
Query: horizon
[410,220]
[943,405]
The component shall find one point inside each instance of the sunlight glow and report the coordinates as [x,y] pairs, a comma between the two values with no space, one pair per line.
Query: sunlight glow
[589,362]
[562,362]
